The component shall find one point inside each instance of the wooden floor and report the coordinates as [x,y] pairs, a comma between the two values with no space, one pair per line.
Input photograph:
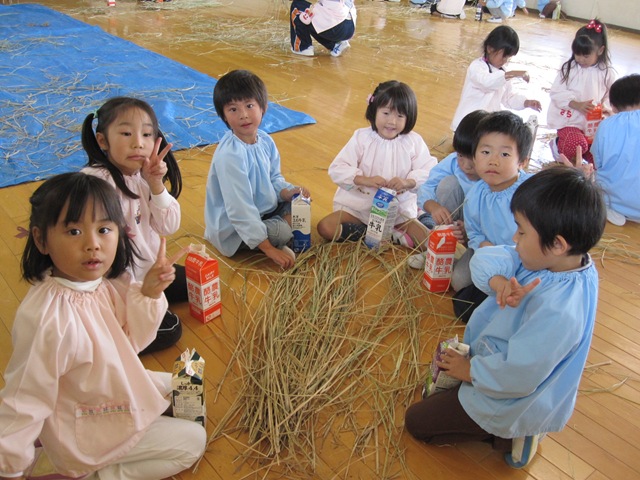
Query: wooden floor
[393,41]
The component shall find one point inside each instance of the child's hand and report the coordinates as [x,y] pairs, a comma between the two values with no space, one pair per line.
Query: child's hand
[580,164]
[374,182]
[523,74]
[287,194]
[440,214]
[154,168]
[162,273]
[456,365]
[278,256]
[401,185]
[510,292]
[533,104]
[460,232]
[583,107]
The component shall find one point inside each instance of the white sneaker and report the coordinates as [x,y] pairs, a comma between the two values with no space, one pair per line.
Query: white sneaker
[542,15]
[494,20]
[398,237]
[307,52]
[417,261]
[616,218]
[339,48]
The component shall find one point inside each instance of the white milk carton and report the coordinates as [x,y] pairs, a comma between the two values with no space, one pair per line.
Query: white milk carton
[384,210]
[532,124]
[437,379]
[187,382]
[301,222]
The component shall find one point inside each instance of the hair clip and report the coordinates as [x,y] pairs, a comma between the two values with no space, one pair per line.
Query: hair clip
[592,25]
[22,232]
[370,98]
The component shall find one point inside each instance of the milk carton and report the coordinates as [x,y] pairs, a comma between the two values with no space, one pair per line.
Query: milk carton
[438,266]
[438,379]
[382,218]
[594,117]
[187,382]
[203,284]
[301,222]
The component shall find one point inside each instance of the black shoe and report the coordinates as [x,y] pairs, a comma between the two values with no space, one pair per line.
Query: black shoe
[168,334]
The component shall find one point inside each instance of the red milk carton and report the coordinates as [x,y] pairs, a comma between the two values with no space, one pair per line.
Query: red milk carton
[203,284]
[594,117]
[438,266]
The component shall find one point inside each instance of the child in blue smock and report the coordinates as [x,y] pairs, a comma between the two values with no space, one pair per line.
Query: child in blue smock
[248,201]
[530,339]
[615,151]
[442,195]
[501,145]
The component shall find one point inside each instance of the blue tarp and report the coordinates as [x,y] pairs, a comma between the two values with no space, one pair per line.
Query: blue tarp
[55,70]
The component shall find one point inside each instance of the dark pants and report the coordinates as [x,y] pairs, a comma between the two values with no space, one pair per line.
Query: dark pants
[177,291]
[440,419]
[301,34]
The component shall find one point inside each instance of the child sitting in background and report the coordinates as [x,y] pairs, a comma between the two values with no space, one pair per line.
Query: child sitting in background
[74,381]
[386,154]
[248,201]
[615,151]
[501,144]
[487,85]
[129,151]
[442,195]
[530,341]
[582,82]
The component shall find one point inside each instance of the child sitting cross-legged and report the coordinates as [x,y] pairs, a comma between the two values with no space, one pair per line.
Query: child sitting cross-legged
[530,339]
[248,200]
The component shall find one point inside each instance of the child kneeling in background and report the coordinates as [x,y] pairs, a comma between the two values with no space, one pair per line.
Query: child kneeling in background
[529,341]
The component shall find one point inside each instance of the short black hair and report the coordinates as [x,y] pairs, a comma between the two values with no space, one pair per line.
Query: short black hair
[507,123]
[561,200]
[238,85]
[463,136]
[397,96]
[76,190]
[502,38]
[625,92]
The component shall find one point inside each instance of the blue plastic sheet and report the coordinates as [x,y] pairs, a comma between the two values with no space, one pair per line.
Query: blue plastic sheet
[55,70]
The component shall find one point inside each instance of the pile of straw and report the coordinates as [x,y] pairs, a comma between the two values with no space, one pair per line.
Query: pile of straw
[335,345]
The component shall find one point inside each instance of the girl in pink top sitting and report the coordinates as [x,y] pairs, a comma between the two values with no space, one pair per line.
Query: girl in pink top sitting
[388,154]
[74,381]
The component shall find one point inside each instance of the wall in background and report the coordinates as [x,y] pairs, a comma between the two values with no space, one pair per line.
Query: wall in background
[623,13]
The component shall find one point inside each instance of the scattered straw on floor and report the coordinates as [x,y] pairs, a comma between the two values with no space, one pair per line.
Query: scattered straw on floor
[331,352]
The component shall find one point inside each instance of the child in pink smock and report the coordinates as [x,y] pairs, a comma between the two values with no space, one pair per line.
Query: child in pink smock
[74,381]
[386,154]
[128,150]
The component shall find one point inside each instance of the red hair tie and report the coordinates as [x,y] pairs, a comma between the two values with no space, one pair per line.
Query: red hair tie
[592,25]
